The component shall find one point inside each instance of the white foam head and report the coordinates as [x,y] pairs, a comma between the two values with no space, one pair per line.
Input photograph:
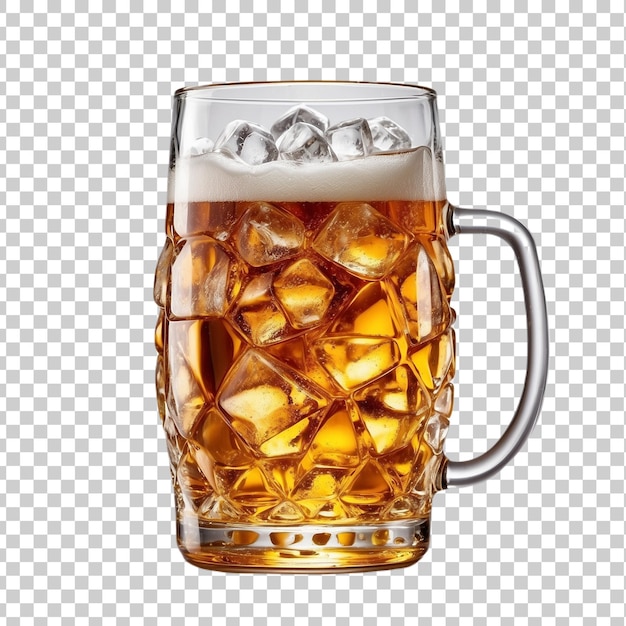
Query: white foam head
[410,175]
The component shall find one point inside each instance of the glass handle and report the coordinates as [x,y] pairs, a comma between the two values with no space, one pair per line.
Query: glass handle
[460,473]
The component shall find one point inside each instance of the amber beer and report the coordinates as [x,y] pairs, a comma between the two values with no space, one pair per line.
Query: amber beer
[305,360]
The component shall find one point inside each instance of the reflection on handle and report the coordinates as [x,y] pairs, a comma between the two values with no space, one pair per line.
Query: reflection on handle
[459,473]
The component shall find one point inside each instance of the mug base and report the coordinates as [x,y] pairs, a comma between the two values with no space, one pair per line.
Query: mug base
[305,549]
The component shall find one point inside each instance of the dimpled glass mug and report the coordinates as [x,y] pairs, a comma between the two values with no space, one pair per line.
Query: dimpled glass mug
[305,348]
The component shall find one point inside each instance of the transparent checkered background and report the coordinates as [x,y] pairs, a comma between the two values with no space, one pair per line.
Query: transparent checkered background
[532,107]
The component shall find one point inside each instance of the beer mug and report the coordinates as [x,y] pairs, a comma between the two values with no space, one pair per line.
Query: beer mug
[305,343]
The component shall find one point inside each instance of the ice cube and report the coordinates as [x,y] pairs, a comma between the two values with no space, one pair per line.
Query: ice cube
[292,440]
[299,113]
[392,408]
[371,312]
[262,398]
[252,143]
[304,292]
[305,143]
[351,139]
[200,146]
[258,315]
[354,361]
[297,354]
[387,135]
[267,234]
[360,239]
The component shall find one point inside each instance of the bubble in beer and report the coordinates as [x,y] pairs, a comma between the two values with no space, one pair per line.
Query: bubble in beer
[388,136]
[250,142]
[306,144]
[351,139]
[299,113]
[200,146]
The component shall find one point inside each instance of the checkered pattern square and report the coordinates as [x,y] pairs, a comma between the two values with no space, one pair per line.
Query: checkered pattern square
[532,115]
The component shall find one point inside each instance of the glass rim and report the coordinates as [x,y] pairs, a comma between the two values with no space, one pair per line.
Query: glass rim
[211,92]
